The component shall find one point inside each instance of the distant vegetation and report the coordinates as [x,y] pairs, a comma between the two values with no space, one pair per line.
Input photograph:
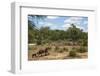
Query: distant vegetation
[45,35]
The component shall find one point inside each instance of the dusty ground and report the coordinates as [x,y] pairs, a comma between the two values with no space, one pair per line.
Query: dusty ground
[53,55]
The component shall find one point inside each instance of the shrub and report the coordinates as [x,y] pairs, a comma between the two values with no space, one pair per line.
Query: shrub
[39,42]
[56,48]
[82,49]
[30,47]
[85,43]
[65,49]
[74,49]
[72,54]
[59,50]
[49,48]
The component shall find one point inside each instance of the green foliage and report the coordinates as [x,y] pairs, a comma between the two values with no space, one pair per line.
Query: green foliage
[72,54]
[45,35]
[39,39]
[74,33]
[85,42]
[74,49]
[82,49]
[30,32]
[65,49]
[30,47]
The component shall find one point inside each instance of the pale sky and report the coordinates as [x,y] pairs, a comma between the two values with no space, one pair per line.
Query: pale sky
[62,22]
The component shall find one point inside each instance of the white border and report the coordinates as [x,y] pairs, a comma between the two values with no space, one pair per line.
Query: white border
[19,38]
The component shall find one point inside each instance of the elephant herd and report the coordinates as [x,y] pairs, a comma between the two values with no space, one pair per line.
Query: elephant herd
[41,53]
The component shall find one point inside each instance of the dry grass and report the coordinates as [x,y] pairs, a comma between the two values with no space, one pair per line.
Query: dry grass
[55,52]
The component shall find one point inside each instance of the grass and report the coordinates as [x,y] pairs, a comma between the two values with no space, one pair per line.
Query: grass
[58,52]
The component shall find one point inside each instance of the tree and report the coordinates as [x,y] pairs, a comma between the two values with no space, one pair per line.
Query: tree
[74,33]
[36,18]
[45,34]
[30,31]
[84,38]
[33,32]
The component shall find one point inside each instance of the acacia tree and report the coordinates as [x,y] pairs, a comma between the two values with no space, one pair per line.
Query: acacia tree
[35,19]
[30,31]
[84,37]
[74,33]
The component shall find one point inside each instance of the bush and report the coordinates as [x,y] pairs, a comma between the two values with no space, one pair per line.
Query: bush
[85,43]
[67,42]
[59,50]
[72,54]
[30,47]
[74,49]
[39,42]
[82,49]
[56,48]
[65,49]
[49,48]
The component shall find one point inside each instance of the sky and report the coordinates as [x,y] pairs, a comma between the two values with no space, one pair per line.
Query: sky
[62,22]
